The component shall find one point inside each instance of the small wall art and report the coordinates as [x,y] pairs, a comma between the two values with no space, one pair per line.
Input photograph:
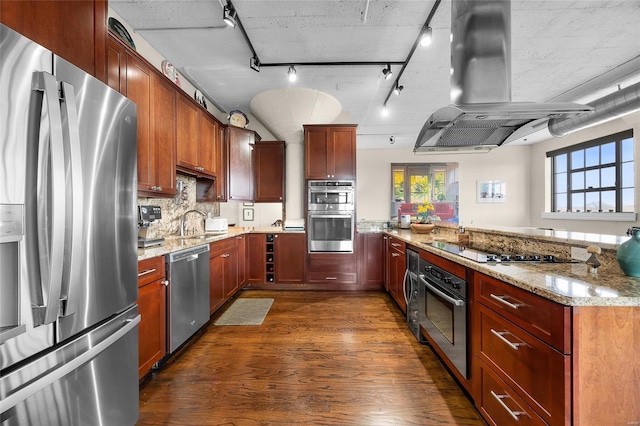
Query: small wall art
[491,191]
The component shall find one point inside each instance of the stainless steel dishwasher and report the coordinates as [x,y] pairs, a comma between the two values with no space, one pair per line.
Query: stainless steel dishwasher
[188,301]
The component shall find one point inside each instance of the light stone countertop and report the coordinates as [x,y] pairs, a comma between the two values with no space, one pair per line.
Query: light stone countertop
[566,283]
[175,243]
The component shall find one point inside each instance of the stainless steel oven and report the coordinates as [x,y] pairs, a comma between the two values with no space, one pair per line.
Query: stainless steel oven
[330,232]
[443,312]
[331,196]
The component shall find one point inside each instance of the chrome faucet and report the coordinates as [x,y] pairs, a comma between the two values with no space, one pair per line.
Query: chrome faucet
[185,215]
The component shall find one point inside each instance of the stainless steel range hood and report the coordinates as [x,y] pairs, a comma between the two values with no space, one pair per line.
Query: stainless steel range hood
[482,116]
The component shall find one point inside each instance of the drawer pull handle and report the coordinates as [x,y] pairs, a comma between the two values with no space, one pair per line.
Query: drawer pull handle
[225,255]
[396,244]
[500,336]
[395,254]
[147,272]
[504,302]
[512,413]
[331,278]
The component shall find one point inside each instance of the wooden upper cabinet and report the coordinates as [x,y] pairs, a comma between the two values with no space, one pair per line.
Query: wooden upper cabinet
[268,169]
[164,137]
[330,151]
[240,145]
[75,30]
[207,142]
[187,113]
[155,98]
[116,65]
[221,164]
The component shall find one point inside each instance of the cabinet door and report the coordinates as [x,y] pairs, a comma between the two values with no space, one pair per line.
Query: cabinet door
[268,171]
[240,145]
[116,65]
[164,137]
[385,257]
[341,158]
[316,140]
[256,256]
[371,261]
[397,267]
[187,137]
[289,253]
[230,273]
[152,328]
[216,282]
[221,164]
[242,260]
[139,89]
[207,135]
[75,30]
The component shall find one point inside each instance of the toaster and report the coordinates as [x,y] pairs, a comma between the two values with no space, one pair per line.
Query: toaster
[215,224]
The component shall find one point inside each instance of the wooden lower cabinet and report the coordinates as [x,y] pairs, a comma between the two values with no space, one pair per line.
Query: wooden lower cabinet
[397,266]
[152,306]
[370,247]
[289,250]
[223,272]
[338,271]
[255,257]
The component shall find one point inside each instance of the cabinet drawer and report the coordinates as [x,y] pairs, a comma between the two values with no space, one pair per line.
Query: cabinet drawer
[222,246]
[398,245]
[150,270]
[501,406]
[537,372]
[331,278]
[541,317]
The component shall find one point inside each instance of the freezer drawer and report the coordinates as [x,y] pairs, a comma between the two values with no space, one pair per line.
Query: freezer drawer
[90,380]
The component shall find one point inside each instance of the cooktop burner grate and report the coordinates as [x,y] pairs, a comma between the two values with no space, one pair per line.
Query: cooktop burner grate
[484,254]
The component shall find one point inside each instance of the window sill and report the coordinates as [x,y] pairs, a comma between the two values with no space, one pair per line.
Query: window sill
[597,216]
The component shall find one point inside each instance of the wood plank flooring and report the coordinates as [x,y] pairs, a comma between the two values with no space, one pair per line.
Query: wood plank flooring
[319,358]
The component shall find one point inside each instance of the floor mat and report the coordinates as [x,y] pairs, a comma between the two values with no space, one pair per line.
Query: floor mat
[249,311]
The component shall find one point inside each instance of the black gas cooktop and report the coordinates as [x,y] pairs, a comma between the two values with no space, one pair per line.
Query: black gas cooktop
[484,254]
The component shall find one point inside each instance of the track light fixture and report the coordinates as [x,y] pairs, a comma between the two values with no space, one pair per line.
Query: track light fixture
[384,111]
[254,63]
[425,38]
[397,89]
[292,73]
[387,72]
[229,16]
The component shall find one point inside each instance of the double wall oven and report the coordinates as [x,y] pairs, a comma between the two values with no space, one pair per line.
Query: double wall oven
[331,215]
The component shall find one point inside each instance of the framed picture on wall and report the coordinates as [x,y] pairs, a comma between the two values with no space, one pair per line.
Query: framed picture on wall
[491,191]
[247,214]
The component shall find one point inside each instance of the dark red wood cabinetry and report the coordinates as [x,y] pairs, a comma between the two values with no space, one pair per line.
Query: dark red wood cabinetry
[370,247]
[397,265]
[223,271]
[240,145]
[75,30]
[288,261]
[268,171]
[152,329]
[330,151]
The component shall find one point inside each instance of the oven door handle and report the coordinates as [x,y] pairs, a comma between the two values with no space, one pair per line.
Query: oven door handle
[445,296]
[330,216]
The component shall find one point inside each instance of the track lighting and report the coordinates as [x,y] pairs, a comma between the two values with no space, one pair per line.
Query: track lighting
[229,16]
[292,73]
[387,72]
[425,39]
[384,111]
[254,63]
[397,89]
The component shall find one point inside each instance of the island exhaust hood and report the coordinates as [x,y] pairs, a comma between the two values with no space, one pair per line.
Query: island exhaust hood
[482,116]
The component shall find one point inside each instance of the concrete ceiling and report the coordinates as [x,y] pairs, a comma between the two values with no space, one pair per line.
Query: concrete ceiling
[561,50]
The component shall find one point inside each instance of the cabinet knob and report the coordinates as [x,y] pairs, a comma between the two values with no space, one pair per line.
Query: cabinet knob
[165,283]
[159,188]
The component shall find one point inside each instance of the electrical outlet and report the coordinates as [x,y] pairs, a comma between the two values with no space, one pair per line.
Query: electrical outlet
[579,253]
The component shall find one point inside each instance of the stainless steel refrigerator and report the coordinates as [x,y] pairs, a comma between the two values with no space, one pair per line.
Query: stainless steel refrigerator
[68,251]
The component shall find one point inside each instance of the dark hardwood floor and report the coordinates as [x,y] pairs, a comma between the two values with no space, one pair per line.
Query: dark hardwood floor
[319,358]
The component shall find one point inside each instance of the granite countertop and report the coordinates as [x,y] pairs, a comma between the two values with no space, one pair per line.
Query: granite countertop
[566,283]
[175,243]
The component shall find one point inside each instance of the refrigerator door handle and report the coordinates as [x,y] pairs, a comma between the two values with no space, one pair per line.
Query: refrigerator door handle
[50,218]
[75,203]
[32,388]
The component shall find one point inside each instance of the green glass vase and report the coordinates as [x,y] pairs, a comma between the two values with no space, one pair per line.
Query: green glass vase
[629,254]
